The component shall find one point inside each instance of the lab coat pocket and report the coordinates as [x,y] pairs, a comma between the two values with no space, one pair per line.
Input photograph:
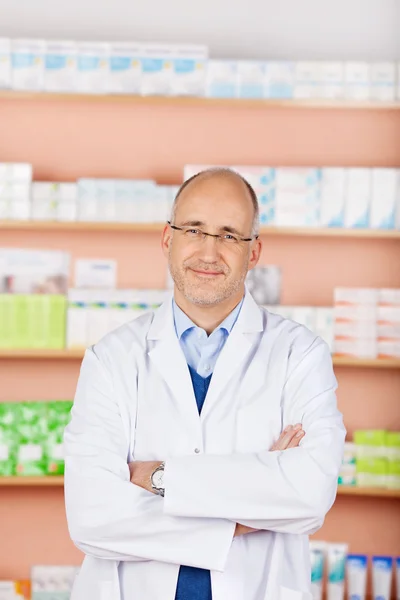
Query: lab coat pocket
[289,594]
[258,424]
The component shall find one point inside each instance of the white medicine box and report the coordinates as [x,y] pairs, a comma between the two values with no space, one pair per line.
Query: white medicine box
[357,80]
[93,64]
[222,79]
[383,81]
[5,63]
[156,63]
[27,64]
[60,66]
[189,65]
[125,69]
[251,79]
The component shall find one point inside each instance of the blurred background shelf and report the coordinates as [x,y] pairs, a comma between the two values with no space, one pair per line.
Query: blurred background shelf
[201,101]
[158,227]
[52,481]
[339,361]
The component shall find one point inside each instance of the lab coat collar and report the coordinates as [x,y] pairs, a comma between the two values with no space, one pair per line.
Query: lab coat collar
[249,319]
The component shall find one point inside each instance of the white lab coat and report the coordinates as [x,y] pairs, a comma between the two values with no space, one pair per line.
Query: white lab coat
[135,401]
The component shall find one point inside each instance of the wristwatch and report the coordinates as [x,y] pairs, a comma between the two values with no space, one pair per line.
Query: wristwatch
[157,480]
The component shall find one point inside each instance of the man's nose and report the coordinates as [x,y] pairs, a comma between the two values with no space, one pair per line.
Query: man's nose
[210,249]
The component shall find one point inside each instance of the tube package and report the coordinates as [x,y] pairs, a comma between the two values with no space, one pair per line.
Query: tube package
[317,559]
[356,576]
[381,577]
[336,570]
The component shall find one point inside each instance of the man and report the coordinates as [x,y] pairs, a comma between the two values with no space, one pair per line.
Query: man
[185,479]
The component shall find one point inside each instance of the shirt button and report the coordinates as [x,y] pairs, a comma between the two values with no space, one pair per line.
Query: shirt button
[207,367]
[197,450]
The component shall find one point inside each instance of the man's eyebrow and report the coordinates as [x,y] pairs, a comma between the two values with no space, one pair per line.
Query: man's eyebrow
[227,228]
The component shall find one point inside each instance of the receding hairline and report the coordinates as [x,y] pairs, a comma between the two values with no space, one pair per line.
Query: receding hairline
[222,172]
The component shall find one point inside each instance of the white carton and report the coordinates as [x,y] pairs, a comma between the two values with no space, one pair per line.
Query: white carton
[87,200]
[98,315]
[67,202]
[20,201]
[27,62]
[5,63]
[105,200]
[97,274]
[16,172]
[398,81]
[384,197]
[307,80]
[389,297]
[251,79]
[144,192]
[388,349]
[52,582]
[357,80]
[123,199]
[333,182]
[189,67]
[156,69]
[60,66]
[358,198]
[77,318]
[383,81]
[160,205]
[332,80]
[297,198]
[44,201]
[346,295]
[125,68]
[93,67]
[358,348]
[222,79]
[279,79]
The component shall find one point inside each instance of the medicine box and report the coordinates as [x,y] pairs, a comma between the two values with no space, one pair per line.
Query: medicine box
[27,64]
[60,66]
[189,68]
[279,79]
[297,197]
[222,79]
[125,68]
[332,80]
[93,67]
[251,79]
[357,80]
[333,181]
[5,63]
[307,80]
[385,186]
[358,198]
[77,318]
[383,81]
[156,69]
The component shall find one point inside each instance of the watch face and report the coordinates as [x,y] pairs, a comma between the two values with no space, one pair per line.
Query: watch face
[158,479]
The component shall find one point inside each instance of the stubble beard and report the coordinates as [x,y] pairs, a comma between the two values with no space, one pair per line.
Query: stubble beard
[205,296]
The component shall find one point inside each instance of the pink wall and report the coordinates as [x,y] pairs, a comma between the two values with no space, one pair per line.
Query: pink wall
[69,139]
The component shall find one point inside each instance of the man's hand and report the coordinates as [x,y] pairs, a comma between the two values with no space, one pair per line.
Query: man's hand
[141,471]
[289,438]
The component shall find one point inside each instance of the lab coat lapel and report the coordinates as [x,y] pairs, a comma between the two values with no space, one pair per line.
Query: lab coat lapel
[236,349]
[170,362]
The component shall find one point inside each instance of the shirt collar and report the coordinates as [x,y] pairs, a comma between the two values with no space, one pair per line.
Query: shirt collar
[184,323]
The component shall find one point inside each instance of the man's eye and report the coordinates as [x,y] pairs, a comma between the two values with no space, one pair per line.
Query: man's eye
[228,237]
[193,231]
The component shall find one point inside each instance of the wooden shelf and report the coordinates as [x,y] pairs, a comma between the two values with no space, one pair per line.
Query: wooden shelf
[49,481]
[53,481]
[200,101]
[77,354]
[371,492]
[158,227]
[39,353]
[370,363]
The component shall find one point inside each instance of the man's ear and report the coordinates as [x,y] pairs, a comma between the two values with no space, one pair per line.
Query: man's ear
[166,239]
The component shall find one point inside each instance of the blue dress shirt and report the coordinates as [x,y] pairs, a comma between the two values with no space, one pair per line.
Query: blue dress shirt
[201,351]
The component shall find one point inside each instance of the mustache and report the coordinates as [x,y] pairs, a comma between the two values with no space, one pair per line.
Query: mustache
[206,267]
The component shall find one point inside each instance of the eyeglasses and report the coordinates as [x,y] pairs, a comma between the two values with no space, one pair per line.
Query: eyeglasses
[198,235]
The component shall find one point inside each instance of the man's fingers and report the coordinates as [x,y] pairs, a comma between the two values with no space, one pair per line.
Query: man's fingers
[286,437]
[296,439]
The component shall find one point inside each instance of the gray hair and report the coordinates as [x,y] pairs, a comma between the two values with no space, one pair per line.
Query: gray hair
[224,171]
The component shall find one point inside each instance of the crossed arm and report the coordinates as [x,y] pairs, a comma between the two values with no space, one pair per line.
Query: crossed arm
[141,471]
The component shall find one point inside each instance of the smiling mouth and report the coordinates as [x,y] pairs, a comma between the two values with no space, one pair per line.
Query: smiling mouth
[207,273]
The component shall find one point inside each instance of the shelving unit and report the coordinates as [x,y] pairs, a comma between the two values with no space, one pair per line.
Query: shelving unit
[158,227]
[153,138]
[200,101]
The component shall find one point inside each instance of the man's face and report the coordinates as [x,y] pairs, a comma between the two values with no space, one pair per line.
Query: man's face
[208,271]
